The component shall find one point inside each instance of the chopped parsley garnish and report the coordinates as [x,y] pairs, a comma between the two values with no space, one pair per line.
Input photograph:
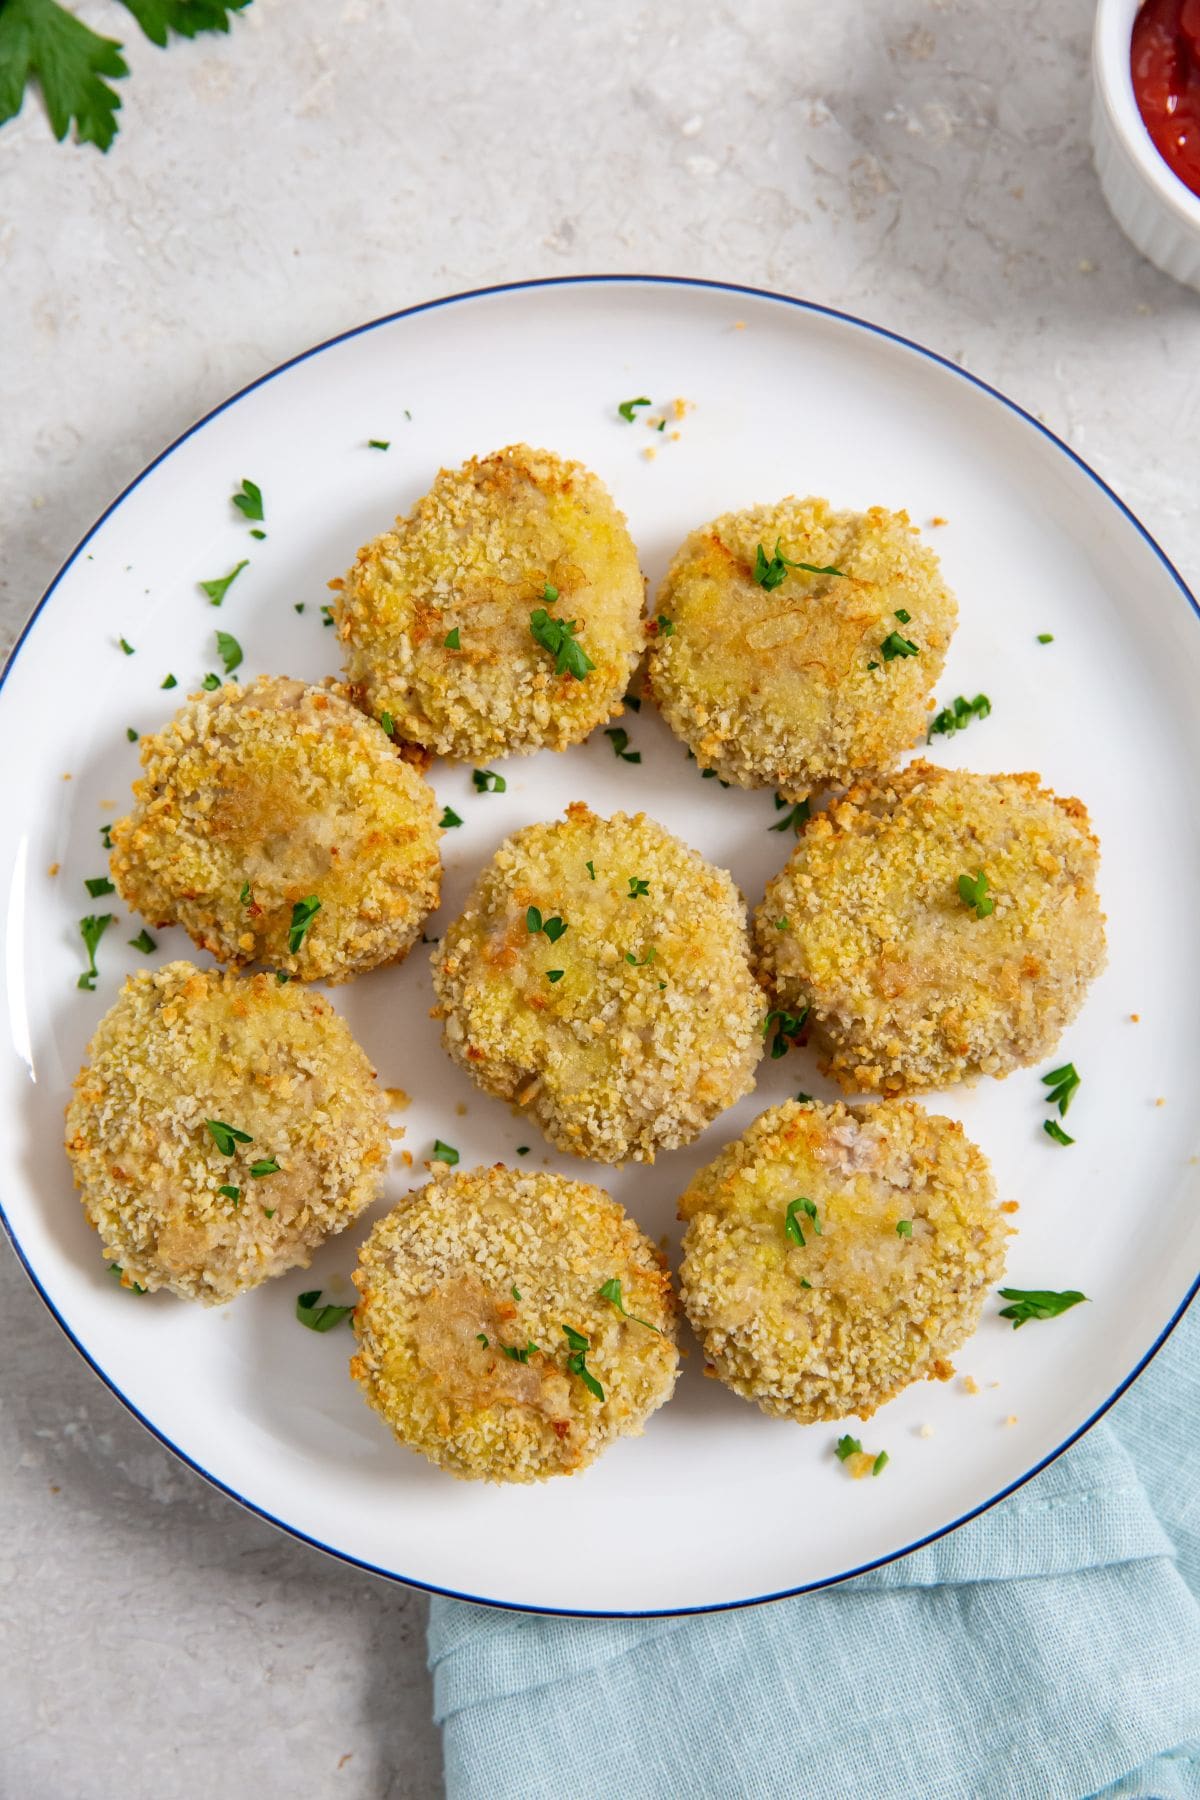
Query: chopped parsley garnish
[627,406]
[229,651]
[303,914]
[387,722]
[633,702]
[972,891]
[904,617]
[795,820]
[481,1337]
[516,1292]
[211,682]
[894,645]
[781,924]
[1054,1130]
[143,942]
[791,1222]
[310,1312]
[576,1362]
[611,1291]
[804,1099]
[958,716]
[1036,1303]
[555,974]
[379,443]
[872,665]
[666,627]
[131,734]
[515,1354]
[488,782]
[246,897]
[558,637]
[327,615]
[847,1447]
[1061,1082]
[256,533]
[444,1153]
[249,500]
[449,819]
[217,590]
[134,1286]
[230,1192]
[591,869]
[788,1027]
[770,572]
[637,888]
[619,738]
[534,923]
[227,1137]
[282,977]
[451,640]
[127,648]
[522,1149]
[98,885]
[267,1165]
[106,836]
[269,1212]
[170,682]
[904,1228]
[550,593]
[1045,637]
[880,1463]
[91,930]
[648,958]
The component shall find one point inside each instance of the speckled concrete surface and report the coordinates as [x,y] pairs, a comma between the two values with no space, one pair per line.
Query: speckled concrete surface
[923,162]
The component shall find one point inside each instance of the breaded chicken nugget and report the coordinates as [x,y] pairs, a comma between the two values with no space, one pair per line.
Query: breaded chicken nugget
[512,1324]
[599,976]
[940,924]
[257,802]
[777,675]
[832,1256]
[503,615]
[223,1127]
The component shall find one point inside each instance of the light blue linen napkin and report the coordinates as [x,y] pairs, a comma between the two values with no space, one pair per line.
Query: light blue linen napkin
[1049,1650]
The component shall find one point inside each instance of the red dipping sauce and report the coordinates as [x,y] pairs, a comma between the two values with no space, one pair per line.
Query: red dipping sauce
[1165,60]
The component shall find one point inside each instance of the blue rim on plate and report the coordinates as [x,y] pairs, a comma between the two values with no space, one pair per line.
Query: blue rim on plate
[511,287]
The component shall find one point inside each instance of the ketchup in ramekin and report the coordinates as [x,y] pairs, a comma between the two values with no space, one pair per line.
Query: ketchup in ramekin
[1165,59]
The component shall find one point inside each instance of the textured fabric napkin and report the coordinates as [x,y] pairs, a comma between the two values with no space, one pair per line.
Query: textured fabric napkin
[1049,1650]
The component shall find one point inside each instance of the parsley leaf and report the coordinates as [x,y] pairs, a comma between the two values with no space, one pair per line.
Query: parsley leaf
[230,1192]
[99,885]
[958,716]
[131,734]
[303,914]
[449,819]
[1045,637]
[450,641]
[576,1362]
[488,782]
[106,836]
[310,1312]
[553,928]
[555,974]
[515,1354]
[626,407]
[41,40]
[126,647]
[795,820]
[187,17]
[558,637]
[648,958]
[791,1222]
[226,1137]
[211,683]
[229,651]
[143,942]
[220,586]
[444,1153]
[91,930]
[769,574]
[611,1291]
[118,1271]
[847,1447]
[972,891]
[170,682]
[637,888]
[904,1228]
[1054,1130]
[267,1165]
[666,628]
[1061,1082]
[894,645]
[249,502]
[788,1027]
[1037,1303]
[619,738]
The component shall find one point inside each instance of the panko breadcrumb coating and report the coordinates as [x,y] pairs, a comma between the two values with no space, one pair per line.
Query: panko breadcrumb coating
[895,1239]
[621,1011]
[489,1261]
[181,1046]
[255,799]
[909,987]
[435,615]
[803,684]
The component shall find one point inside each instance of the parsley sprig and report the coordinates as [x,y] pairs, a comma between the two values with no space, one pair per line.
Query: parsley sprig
[795,820]
[1037,1303]
[249,501]
[91,930]
[221,584]
[552,928]
[558,637]
[310,1312]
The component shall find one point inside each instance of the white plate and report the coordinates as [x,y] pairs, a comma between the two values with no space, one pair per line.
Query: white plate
[716,1505]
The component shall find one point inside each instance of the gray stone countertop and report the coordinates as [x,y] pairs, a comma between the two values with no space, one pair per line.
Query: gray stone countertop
[921,162]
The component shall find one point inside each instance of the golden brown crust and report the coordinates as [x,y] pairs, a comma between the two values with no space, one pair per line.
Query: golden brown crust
[843,1321]
[790,688]
[255,798]
[181,1046]
[909,988]
[474,557]
[511,1257]
[655,1024]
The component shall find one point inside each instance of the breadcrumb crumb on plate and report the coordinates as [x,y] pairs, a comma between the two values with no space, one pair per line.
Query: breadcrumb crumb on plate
[484,1339]
[909,986]
[180,1047]
[806,1297]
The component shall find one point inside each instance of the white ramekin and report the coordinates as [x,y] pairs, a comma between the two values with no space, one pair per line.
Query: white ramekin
[1156,212]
